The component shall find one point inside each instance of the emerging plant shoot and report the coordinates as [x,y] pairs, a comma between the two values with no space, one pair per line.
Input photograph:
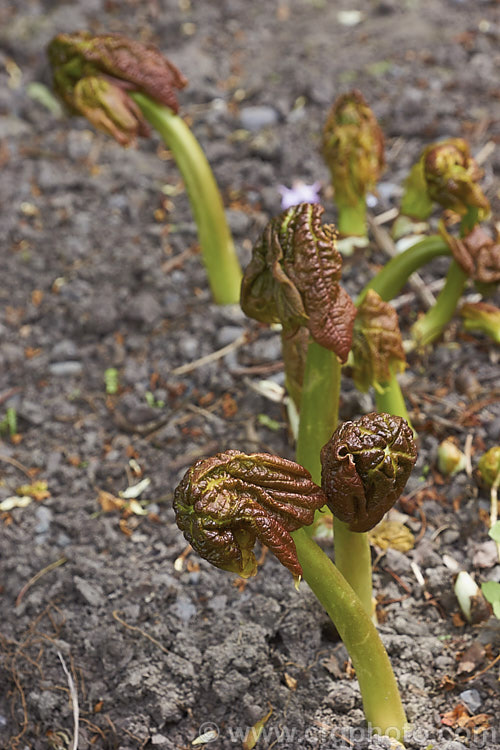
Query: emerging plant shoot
[225,503]
[353,148]
[95,74]
[120,85]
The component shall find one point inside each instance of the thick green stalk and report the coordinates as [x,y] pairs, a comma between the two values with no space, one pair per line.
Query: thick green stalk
[389,399]
[382,705]
[318,420]
[318,406]
[391,279]
[352,218]
[354,560]
[217,248]
[430,326]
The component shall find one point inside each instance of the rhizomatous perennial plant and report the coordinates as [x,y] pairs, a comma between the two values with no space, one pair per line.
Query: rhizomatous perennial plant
[227,502]
[120,86]
[293,278]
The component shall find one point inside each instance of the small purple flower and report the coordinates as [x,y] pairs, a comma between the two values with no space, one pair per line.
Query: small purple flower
[300,192]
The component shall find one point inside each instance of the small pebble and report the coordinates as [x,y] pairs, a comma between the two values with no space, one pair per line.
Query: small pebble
[91,593]
[227,334]
[65,350]
[44,518]
[493,429]
[472,699]
[66,369]
[256,118]
[239,221]
[144,309]
[189,347]
[183,608]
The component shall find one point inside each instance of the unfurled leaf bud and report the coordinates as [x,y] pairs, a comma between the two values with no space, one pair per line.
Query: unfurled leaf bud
[365,466]
[377,346]
[97,71]
[110,109]
[225,503]
[451,459]
[481,316]
[471,599]
[477,253]
[452,177]
[489,465]
[353,147]
[293,279]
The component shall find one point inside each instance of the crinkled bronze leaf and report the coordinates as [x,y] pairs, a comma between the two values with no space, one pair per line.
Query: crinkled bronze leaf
[482,316]
[121,65]
[452,177]
[293,279]
[353,147]
[365,466]
[224,503]
[377,346]
[477,253]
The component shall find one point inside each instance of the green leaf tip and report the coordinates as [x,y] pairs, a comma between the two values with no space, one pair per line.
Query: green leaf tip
[293,279]
[365,466]
[226,502]
[94,74]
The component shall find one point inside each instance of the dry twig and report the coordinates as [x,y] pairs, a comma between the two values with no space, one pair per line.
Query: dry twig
[74,701]
[212,357]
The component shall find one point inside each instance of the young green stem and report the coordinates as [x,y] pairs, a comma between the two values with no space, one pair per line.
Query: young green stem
[430,326]
[391,279]
[318,420]
[352,219]
[318,406]
[381,700]
[353,559]
[389,399]
[217,248]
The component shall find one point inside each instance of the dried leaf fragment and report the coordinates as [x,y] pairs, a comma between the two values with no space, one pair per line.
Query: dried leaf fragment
[254,732]
[393,535]
[38,490]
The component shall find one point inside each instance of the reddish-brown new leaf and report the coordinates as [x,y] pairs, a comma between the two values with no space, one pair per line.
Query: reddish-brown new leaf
[293,278]
[225,503]
[365,466]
